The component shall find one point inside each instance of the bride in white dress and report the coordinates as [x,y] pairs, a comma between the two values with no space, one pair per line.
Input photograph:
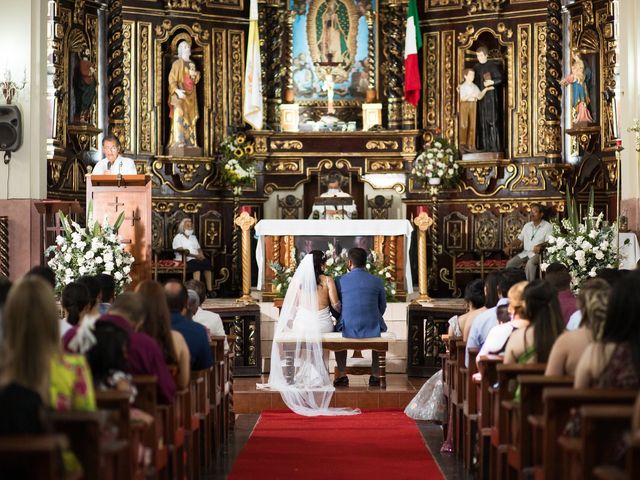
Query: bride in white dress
[298,370]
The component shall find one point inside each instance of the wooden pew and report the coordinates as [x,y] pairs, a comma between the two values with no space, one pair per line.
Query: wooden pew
[470,408]
[217,377]
[116,404]
[523,442]
[174,434]
[558,405]
[202,410]
[229,414]
[86,432]
[452,367]
[153,437]
[503,405]
[458,400]
[32,456]
[488,369]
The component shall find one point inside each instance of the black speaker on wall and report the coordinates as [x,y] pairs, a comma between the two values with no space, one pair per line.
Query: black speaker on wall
[10,130]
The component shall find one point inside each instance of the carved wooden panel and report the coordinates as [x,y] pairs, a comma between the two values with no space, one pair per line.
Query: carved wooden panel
[512,224]
[456,232]
[485,230]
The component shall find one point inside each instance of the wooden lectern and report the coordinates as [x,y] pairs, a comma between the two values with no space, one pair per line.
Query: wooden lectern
[114,194]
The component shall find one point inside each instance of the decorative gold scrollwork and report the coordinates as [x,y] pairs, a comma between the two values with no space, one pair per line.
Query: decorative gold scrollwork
[261,145]
[483,174]
[163,207]
[478,208]
[506,207]
[195,5]
[381,145]
[386,165]
[190,207]
[284,165]
[408,145]
[286,145]
[463,37]
[477,6]
[486,231]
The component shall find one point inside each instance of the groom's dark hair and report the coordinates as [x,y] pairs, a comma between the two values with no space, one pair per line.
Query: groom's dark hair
[358,257]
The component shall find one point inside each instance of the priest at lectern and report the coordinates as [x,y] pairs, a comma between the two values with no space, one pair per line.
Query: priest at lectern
[113,163]
[334,204]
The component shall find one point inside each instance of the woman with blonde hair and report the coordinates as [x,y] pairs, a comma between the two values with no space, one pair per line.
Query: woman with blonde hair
[31,351]
[32,356]
[569,347]
[157,324]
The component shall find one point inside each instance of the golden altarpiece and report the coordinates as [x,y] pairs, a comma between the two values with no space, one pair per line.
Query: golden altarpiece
[109,60]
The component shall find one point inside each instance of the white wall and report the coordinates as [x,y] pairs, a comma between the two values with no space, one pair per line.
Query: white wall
[629,101]
[23,49]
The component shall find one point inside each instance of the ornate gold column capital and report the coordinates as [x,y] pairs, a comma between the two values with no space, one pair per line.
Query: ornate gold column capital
[423,221]
[245,221]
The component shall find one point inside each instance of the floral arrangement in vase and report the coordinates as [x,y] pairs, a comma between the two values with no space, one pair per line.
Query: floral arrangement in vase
[583,246]
[90,250]
[437,164]
[238,165]
[336,266]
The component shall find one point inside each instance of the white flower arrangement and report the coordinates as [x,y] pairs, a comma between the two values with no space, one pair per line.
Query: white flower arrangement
[584,247]
[335,266]
[238,164]
[437,164]
[90,250]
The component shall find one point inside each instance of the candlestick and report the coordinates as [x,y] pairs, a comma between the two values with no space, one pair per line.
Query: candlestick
[245,221]
[423,222]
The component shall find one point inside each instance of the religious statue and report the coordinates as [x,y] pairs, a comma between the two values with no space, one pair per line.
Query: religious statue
[183,101]
[579,79]
[333,39]
[469,96]
[489,108]
[84,87]
[329,88]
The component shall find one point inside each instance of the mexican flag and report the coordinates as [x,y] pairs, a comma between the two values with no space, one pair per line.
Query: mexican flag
[412,42]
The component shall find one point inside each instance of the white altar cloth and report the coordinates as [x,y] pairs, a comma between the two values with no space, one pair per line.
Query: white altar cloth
[330,228]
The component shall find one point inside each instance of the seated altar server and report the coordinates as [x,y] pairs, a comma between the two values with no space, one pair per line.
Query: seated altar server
[113,163]
[340,211]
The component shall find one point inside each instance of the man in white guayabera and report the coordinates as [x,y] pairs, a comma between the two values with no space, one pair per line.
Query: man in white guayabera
[532,240]
[113,163]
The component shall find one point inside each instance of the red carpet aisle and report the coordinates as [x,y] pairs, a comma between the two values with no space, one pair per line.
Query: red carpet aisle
[373,445]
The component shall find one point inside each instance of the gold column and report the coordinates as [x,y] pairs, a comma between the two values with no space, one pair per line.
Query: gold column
[423,222]
[245,222]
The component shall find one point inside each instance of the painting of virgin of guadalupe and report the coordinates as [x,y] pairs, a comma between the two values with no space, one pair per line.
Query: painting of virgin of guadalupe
[330,39]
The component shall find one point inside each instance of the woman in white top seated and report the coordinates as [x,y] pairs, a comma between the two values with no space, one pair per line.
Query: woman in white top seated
[196,261]
[327,293]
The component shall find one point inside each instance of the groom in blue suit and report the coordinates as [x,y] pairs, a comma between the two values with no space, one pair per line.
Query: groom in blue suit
[363,304]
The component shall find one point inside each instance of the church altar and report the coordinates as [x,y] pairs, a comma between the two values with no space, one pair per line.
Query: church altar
[390,239]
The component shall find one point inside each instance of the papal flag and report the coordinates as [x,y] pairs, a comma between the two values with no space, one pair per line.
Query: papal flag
[412,42]
[252,110]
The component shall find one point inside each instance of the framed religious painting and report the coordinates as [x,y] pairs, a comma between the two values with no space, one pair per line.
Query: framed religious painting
[333,63]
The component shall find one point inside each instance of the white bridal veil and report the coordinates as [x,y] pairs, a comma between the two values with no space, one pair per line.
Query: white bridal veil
[298,371]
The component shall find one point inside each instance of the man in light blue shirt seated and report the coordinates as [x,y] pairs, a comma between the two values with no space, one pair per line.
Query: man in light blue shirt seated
[489,319]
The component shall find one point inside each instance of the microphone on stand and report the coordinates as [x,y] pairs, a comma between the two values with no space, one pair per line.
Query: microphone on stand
[119,175]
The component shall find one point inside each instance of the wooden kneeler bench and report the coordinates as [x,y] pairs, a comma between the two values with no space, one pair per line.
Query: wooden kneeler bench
[336,342]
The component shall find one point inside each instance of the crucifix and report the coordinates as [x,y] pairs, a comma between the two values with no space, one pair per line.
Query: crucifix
[116,204]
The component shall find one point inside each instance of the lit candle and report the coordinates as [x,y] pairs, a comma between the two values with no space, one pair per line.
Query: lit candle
[619,143]
[420,209]
[245,208]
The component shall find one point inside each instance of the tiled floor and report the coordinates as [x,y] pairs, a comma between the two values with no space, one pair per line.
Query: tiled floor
[400,390]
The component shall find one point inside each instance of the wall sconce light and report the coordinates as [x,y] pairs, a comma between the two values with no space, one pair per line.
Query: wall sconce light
[9,87]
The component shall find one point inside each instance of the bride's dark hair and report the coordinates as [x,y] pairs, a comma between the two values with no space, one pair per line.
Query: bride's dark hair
[318,263]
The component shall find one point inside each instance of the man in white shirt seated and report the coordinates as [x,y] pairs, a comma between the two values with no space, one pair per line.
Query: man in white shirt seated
[532,239]
[185,240]
[210,320]
[113,163]
[334,212]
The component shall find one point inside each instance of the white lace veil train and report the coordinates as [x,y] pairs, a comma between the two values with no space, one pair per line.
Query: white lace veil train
[298,371]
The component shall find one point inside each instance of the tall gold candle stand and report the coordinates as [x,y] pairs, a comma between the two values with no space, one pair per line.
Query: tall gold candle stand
[423,221]
[245,221]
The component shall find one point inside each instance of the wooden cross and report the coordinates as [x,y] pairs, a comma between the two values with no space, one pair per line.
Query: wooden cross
[116,204]
[134,218]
